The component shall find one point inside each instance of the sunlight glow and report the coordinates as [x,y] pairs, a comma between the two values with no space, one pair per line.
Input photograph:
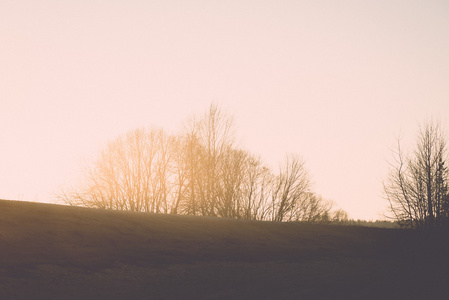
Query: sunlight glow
[333,82]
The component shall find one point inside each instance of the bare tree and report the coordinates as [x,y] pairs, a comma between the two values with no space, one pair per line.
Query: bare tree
[256,190]
[339,216]
[230,183]
[290,188]
[132,173]
[208,140]
[416,187]
[198,172]
[189,169]
[315,209]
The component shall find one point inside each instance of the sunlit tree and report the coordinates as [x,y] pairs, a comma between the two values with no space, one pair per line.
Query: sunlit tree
[291,187]
[256,190]
[208,141]
[132,173]
[197,172]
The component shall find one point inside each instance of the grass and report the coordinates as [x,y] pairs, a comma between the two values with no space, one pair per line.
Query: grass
[60,252]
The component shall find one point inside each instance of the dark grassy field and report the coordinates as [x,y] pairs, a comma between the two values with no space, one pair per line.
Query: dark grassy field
[60,252]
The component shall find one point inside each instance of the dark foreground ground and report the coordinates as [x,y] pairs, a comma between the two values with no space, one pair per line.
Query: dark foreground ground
[60,252]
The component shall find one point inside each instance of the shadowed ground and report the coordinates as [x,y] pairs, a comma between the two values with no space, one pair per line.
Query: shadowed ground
[60,252]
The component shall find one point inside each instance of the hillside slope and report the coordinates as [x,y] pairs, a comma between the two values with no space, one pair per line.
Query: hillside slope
[60,252]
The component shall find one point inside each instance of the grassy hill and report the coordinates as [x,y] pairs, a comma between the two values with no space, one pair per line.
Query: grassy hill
[60,252]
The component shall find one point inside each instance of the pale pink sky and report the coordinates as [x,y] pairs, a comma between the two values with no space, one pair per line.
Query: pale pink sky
[334,81]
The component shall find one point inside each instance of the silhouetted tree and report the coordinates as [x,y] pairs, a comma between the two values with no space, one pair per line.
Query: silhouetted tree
[416,187]
[339,216]
[256,190]
[290,188]
[314,209]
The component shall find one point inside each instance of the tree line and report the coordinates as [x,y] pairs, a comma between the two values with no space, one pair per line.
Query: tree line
[200,172]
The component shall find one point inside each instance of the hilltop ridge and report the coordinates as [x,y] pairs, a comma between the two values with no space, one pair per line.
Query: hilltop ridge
[54,250]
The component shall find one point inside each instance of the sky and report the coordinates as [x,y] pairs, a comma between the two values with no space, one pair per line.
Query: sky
[333,81]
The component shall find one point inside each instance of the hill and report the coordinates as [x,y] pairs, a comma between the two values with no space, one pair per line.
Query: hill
[61,252]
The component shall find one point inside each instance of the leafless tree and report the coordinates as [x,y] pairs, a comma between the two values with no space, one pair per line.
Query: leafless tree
[290,188]
[208,142]
[132,173]
[315,209]
[416,187]
[339,216]
[189,169]
[198,172]
[256,190]
[230,182]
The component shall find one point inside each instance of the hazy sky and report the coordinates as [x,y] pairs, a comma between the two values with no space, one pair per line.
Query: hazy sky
[334,81]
